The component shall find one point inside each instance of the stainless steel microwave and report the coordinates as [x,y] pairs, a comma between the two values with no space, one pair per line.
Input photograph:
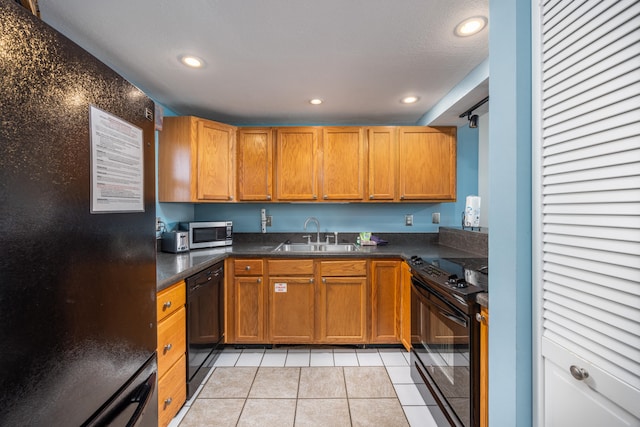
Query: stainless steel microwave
[208,234]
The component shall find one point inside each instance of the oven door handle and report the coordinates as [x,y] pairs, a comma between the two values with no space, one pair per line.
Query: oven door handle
[454,319]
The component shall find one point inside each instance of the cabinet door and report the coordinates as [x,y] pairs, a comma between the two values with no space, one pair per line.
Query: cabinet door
[296,164]
[342,310]
[177,145]
[249,304]
[291,309]
[255,164]
[172,392]
[385,301]
[216,171]
[405,306]
[343,163]
[172,340]
[427,168]
[382,162]
[580,393]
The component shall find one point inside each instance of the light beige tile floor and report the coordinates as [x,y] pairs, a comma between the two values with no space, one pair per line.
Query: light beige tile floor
[308,387]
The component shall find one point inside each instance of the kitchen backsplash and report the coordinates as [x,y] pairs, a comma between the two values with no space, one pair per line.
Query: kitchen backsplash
[466,240]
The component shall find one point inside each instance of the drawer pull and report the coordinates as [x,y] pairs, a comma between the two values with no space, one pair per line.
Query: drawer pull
[167,401]
[166,305]
[167,347]
[578,373]
[248,267]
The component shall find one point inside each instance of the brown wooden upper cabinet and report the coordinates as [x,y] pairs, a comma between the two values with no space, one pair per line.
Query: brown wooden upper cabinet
[343,163]
[204,161]
[427,158]
[255,164]
[196,160]
[383,163]
[297,163]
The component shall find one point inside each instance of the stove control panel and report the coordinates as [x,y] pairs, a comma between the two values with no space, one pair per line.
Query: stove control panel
[437,274]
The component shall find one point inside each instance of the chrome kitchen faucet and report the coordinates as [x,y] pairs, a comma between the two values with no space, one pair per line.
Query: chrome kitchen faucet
[314,219]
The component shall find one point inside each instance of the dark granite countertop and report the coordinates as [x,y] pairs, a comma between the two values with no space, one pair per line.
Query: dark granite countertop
[483,299]
[172,268]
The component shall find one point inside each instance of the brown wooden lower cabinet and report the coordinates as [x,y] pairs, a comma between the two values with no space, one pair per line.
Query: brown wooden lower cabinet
[314,301]
[405,305]
[172,365]
[172,391]
[291,309]
[484,367]
[385,301]
[249,309]
[342,303]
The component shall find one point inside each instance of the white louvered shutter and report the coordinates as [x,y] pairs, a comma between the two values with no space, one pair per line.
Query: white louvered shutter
[590,202]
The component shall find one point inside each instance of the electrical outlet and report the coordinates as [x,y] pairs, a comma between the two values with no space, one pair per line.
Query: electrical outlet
[408,220]
[269,220]
[435,217]
[158,224]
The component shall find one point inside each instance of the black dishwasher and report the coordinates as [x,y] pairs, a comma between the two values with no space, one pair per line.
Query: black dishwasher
[205,323]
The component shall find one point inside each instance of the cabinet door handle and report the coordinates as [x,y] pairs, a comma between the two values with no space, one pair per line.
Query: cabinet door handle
[480,318]
[259,280]
[166,305]
[371,196]
[311,280]
[167,347]
[167,401]
[578,373]
[324,280]
[325,197]
[268,196]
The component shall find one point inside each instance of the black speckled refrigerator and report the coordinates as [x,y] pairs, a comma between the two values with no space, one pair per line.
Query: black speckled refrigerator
[77,232]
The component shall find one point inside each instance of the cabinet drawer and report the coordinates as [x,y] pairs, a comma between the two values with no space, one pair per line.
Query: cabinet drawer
[290,266]
[171,340]
[170,299]
[172,392]
[247,267]
[343,268]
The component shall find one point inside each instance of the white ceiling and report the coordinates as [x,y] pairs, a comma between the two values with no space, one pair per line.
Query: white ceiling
[266,59]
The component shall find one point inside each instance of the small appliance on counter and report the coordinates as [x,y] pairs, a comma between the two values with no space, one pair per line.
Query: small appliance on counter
[175,242]
[471,214]
[208,234]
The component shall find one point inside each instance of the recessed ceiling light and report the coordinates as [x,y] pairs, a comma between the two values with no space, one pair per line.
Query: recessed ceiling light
[316,101]
[192,61]
[409,99]
[471,26]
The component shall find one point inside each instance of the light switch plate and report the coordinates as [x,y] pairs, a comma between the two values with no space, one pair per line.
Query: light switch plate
[435,217]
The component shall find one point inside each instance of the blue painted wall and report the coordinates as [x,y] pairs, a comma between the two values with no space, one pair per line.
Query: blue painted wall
[510,334]
[352,217]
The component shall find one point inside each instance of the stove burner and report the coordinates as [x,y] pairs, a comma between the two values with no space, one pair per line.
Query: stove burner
[457,281]
[464,276]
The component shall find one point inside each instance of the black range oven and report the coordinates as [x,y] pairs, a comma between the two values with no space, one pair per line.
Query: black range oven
[445,355]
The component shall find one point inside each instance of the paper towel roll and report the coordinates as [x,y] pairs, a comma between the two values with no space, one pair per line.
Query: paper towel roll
[472,212]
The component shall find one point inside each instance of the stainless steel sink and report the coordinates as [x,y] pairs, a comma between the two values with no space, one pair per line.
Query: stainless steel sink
[316,247]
